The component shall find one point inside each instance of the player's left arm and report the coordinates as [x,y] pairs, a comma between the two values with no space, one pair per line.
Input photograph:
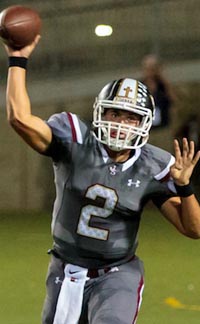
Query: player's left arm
[184,212]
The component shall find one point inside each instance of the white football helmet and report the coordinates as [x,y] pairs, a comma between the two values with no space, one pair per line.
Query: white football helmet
[129,95]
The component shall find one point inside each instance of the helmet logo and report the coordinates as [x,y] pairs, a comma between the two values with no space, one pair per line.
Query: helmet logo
[127,91]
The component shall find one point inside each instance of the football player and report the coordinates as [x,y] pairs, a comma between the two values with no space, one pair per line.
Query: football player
[104,176]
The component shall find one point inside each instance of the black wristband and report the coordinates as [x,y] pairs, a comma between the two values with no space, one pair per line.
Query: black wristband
[184,191]
[18,61]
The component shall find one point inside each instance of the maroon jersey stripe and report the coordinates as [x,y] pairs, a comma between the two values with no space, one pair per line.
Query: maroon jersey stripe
[140,287]
[73,129]
[165,178]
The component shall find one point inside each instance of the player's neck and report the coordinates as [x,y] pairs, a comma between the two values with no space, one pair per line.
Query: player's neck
[121,156]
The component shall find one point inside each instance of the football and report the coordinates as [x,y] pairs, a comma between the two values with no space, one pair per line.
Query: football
[19,25]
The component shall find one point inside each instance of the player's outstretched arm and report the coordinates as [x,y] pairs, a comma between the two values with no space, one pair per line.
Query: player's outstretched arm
[31,128]
[184,211]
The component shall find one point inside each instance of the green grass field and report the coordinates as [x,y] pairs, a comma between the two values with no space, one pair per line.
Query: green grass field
[172,264]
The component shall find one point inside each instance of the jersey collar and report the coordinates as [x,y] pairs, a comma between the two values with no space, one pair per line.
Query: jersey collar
[125,165]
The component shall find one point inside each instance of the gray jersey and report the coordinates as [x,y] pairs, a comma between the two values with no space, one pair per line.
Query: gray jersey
[99,202]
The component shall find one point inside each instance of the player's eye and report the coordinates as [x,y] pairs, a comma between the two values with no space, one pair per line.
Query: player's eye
[114,114]
[134,117]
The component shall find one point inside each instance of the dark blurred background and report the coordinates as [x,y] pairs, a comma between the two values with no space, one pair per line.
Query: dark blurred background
[71,64]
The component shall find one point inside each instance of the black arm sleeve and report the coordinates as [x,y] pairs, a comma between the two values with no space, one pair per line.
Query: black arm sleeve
[159,199]
[55,149]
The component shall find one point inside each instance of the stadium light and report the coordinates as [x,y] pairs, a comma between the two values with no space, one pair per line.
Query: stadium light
[103,30]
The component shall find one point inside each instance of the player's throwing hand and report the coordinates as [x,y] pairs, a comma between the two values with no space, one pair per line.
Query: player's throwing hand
[25,51]
[185,162]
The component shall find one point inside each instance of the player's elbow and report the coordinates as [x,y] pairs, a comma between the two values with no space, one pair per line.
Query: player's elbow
[17,122]
[15,116]
[196,236]
[12,117]
[193,234]
[14,122]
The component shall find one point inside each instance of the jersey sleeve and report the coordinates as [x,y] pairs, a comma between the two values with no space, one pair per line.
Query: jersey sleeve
[165,184]
[67,128]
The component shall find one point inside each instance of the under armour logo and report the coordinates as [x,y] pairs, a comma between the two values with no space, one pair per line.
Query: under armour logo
[57,280]
[133,183]
[113,169]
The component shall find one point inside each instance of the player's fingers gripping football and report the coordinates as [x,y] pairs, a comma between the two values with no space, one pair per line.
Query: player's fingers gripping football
[25,51]
[185,161]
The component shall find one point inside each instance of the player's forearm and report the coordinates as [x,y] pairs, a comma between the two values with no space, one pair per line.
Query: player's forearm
[18,103]
[190,216]
[31,128]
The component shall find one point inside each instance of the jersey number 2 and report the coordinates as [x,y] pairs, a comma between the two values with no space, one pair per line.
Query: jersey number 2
[89,211]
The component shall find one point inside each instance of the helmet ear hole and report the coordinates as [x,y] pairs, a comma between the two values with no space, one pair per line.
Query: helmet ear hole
[128,95]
